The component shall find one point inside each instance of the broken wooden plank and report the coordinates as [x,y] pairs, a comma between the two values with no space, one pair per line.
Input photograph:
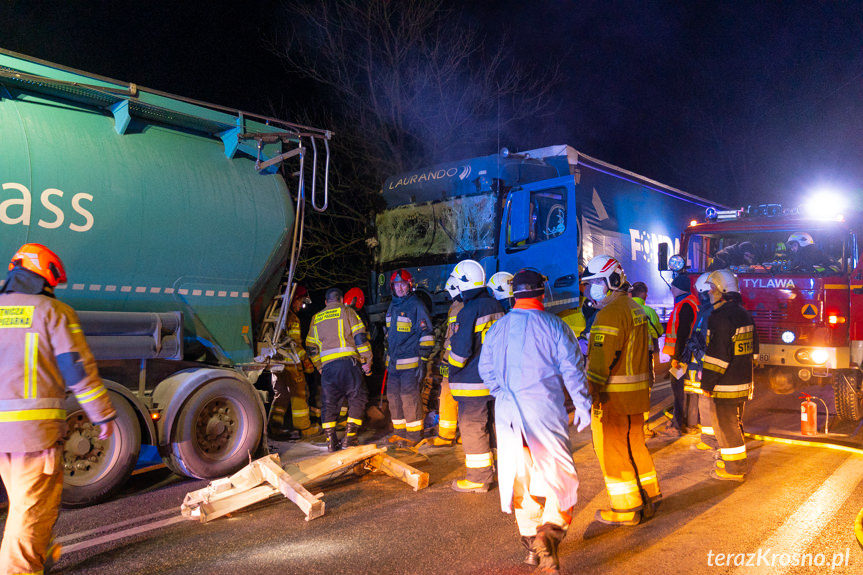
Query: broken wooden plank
[214,509]
[273,473]
[400,470]
[309,470]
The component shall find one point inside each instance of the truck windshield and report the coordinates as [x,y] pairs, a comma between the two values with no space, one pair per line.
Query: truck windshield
[433,232]
[824,252]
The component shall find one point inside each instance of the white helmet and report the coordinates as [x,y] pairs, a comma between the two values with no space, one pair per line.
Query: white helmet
[468,275]
[701,284]
[500,285]
[803,239]
[451,287]
[607,268]
[724,280]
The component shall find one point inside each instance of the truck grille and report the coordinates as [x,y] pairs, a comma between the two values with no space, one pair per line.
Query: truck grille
[769,324]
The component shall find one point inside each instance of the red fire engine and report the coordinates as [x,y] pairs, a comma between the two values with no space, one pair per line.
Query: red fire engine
[801,279]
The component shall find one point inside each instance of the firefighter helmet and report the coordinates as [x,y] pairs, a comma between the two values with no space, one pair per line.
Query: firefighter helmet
[355,298]
[607,268]
[468,275]
[500,285]
[301,294]
[803,239]
[701,284]
[724,281]
[41,261]
[528,283]
[401,275]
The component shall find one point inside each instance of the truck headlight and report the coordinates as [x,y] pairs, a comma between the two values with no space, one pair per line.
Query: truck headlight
[820,356]
[788,337]
[676,263]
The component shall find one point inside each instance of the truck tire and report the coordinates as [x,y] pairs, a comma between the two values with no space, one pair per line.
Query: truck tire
[93,469]
[215,432]
[846,396]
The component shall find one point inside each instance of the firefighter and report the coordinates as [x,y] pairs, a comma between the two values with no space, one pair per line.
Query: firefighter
[695,348]
[619,378]
[677,332]
[638,293]
[447,405]
[732,343]
[480,311]
[500,285]
[42,351]
[527,360]
[806,256]
[410,340]
[289,386]
[339,347]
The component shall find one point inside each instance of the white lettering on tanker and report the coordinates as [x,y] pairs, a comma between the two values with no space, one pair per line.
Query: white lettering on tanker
[786,283]
[24,203]
[646,244]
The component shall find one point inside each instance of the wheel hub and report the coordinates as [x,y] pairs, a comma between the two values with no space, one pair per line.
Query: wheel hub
[215,427]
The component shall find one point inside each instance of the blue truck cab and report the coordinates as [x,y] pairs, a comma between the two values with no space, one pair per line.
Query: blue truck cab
[551,208]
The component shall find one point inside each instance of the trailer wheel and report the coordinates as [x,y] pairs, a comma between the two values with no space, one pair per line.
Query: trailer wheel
[95,469]
[846,395]
[216,430]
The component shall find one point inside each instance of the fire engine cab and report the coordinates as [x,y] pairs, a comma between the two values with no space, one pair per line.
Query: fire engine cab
[801,280]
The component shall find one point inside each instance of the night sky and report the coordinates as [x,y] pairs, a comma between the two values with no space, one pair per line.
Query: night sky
[734,101]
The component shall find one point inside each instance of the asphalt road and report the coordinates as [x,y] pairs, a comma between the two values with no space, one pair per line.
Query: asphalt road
[798,504]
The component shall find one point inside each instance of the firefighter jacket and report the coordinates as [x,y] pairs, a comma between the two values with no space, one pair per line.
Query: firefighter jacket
[731,344]
[42,351]
[680,326]
[451,317]
[618,367]
[337,332]
[410,335]
[529,357]
[480,311]
[693,351]
[654,326]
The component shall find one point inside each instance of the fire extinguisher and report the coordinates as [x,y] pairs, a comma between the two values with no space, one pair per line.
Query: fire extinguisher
[808,415]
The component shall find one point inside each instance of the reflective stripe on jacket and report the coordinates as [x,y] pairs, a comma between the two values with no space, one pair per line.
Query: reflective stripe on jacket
[675,333]
[479,313]
[451,317]
[34,330]
[732,342]
[337,332]
[410,336]
[618,361]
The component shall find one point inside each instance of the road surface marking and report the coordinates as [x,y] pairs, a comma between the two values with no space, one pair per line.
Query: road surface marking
[806,524]
[123,534]
[104,528]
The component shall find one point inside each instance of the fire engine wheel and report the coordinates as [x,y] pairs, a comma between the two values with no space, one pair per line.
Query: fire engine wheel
[846,394]
[217,429]
[94,469]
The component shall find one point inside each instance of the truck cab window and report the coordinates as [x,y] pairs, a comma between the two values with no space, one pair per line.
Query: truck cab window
[547,217]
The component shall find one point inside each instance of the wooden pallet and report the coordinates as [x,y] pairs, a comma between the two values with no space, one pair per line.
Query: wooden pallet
[266,477]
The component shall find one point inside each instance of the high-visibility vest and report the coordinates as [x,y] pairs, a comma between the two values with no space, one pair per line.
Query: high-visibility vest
[674,321]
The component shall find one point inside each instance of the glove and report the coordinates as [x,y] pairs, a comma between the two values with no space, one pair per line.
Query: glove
[581,418]
[367,368]
[308,366]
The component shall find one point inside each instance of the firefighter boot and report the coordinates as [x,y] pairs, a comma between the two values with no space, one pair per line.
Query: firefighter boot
[532,558]
[610,517]
[332,440]
[350,439]
[51,557]
[545,544]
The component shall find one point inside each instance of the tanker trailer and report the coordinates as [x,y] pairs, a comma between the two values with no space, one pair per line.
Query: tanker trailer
[175,229]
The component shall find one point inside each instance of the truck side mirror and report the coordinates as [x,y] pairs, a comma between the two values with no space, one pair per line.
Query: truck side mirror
[519,216]
[663,256]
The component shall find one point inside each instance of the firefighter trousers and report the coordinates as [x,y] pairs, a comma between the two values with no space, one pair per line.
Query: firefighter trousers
[707,416]
[281,404]
[447,412]
[685,406]
[405,402]
[476,425]
[533,502]
[299,401]
[342,379]
[34,483]
[729,433]
[618,440]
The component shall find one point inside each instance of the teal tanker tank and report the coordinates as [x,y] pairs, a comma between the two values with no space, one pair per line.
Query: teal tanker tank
[163,206]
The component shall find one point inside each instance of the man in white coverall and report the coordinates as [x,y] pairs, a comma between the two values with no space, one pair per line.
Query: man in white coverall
[527,358]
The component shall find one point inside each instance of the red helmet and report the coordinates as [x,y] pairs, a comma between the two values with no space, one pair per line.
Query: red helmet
[301,294]
[41,261]
[401,275]
[355,298]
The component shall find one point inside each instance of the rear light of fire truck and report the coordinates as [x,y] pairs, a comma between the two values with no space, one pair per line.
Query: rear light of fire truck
[833,319]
